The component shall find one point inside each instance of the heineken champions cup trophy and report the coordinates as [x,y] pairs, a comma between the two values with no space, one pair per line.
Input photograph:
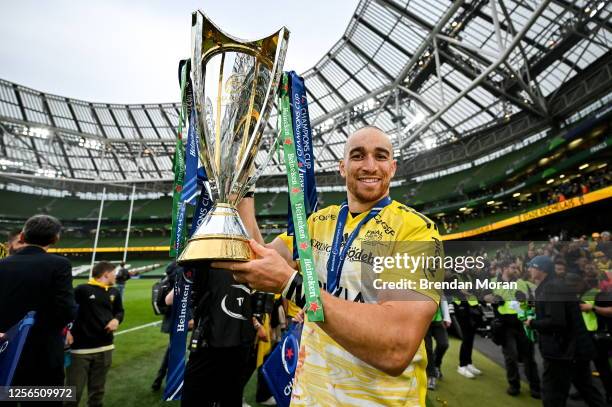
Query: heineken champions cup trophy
[234,87]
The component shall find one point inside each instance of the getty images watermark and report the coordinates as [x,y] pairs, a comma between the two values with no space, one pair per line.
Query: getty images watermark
[462,269]
[425,267]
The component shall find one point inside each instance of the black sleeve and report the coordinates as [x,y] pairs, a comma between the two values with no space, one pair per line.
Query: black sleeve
[77,294]
[164,289]
[295,291]
[554,319]
[63,300]
[199,287]
[555,311]
[118,312]
[604,299]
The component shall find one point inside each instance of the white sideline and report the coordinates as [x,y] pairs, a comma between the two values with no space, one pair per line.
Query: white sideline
[138,327]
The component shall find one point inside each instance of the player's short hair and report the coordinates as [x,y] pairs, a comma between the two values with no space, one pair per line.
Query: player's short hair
[100,268]
[41,230]
[370,126]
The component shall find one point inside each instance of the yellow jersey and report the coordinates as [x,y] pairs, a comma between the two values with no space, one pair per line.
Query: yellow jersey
[327,374]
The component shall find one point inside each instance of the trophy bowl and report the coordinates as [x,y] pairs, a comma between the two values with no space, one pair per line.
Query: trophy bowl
[234,85]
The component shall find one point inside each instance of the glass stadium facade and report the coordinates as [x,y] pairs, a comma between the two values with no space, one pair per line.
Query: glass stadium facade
[451,82]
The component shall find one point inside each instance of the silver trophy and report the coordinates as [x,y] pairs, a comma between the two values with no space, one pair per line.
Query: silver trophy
[234,87]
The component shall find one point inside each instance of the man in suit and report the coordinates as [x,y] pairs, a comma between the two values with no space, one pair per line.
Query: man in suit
[34,280]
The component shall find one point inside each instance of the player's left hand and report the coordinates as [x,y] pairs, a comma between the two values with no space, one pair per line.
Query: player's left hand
[269,272]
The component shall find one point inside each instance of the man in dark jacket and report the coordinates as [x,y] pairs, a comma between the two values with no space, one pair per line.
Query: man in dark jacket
[100,313]
[33,280]
[564,342]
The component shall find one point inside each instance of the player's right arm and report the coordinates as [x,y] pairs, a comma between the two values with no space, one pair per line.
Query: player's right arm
[282,245]
[246,210]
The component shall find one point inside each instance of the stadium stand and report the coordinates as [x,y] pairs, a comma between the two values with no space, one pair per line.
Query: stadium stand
[524,170]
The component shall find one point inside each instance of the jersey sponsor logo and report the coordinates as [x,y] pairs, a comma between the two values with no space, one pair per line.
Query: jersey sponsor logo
[386,228]
[323,218]
[92,297]
[373,235]
[353,253]
[320,246]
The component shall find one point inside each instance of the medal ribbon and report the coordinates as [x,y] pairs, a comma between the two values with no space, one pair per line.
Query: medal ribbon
[314,306]
[337,254]
[178,206]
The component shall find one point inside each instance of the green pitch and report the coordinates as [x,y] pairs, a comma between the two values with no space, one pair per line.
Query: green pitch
[138,355]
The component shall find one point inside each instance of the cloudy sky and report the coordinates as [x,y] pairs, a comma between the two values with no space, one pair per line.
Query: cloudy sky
[126,51]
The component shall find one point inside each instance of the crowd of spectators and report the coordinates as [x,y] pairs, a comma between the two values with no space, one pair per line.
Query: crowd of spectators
[570,188]
[578,186]
[583,264]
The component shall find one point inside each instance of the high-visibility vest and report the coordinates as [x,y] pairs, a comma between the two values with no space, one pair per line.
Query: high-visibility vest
[438,315]
[471,303]
[589,317]
[471,300]
[509,296]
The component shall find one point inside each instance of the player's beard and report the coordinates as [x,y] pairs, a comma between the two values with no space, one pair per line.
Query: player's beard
[366,193]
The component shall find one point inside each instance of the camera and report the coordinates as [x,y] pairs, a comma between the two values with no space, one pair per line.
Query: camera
[262,303]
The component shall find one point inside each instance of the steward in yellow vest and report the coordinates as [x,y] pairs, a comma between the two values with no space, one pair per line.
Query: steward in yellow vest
[596,307]
[516,346]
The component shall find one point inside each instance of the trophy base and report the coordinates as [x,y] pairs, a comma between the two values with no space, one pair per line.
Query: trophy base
[220,236]
[216,248]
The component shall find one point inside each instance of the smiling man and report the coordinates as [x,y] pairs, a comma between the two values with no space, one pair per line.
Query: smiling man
[369,351]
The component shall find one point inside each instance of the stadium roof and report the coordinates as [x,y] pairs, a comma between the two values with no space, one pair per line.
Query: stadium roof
[436,75]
